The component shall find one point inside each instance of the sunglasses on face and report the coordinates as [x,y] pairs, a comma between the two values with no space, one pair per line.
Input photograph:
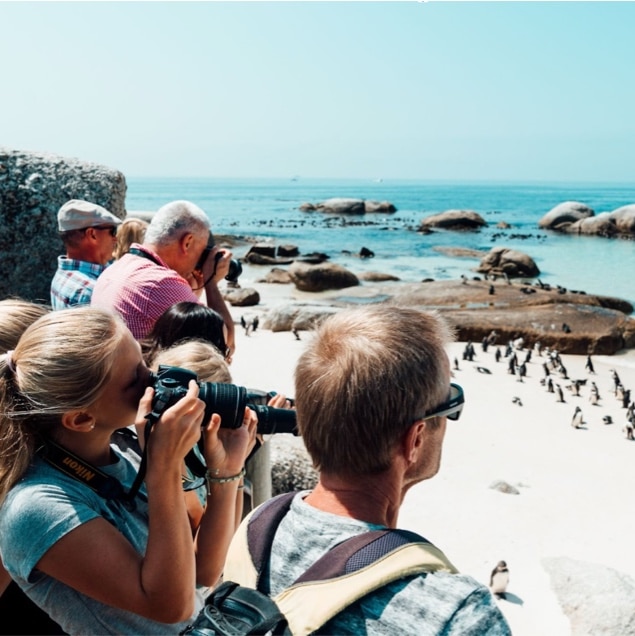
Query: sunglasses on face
[111,229]
[451,408]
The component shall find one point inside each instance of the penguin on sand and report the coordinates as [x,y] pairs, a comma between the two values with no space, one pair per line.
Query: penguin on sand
[499,580]
[576,420]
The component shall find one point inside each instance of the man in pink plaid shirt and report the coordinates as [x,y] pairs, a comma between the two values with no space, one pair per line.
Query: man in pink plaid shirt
[152,277]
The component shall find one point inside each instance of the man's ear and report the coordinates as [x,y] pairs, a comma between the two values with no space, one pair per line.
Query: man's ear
[79,421]
[186,242]
[89,233]
[413,440]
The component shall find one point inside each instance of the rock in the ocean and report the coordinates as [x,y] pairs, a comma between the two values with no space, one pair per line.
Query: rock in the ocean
[512,263]
[453,220]
[564,214]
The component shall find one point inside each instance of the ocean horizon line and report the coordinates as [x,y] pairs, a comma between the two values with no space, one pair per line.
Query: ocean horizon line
[392,180]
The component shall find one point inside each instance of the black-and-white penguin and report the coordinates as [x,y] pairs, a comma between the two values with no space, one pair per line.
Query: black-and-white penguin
[576,420]
[499,579]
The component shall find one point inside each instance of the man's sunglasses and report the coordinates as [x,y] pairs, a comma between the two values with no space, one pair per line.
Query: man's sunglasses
[451,408]
[112,229]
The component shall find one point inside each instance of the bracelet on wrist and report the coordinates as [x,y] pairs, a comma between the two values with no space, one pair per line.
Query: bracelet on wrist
[223,480]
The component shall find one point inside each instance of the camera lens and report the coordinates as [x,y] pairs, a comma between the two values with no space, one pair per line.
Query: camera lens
[228,400]
[272,420]
[235,270]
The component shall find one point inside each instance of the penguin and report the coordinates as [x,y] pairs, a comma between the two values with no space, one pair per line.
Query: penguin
[499,579]
[576,420]
[560,394]
[517,400]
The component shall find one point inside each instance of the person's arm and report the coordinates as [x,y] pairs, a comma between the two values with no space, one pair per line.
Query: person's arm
[97,560]
[226,450]
[216,301]
[214,271]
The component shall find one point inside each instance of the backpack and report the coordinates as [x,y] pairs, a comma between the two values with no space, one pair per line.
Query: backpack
[343,575]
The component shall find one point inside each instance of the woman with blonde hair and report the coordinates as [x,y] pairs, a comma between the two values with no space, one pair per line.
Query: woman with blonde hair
[16,314]
[96,558]
[132,230]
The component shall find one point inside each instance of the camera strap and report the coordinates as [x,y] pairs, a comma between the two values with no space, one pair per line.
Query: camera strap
[135,251]
[104,485]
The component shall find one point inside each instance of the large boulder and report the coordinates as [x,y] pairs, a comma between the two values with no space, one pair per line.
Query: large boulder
[624,219]
[320,277]
[596,599]
[379,206]
[564,214]
[453,220]
[242,297]
[266,254]
[514,264]
[344,205]
[276,275]
[289,317]
[291,466]
[341,205]
[602,224]
[33,186]
[599,325]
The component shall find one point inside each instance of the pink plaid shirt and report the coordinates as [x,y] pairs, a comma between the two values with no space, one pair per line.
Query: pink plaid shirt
[140,290]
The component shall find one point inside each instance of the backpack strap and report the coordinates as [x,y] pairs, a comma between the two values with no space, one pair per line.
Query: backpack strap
[250,548]
[353,569]
[343,575]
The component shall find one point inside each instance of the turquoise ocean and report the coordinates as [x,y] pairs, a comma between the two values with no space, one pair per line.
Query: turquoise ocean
[269,209]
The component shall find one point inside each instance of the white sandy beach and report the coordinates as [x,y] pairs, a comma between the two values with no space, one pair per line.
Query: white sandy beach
[574,484]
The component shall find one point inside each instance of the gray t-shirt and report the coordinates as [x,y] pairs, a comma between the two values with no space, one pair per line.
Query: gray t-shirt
[425,604]
[46,505]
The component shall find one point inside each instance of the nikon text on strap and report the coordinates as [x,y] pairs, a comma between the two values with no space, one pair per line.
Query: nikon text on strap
[70,464]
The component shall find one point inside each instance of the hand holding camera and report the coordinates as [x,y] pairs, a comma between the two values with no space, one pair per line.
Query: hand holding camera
[180,427]
[226,449]
[219,267]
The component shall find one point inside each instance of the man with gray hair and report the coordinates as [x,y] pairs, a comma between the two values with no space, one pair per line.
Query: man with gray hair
[373,397]
[154,275]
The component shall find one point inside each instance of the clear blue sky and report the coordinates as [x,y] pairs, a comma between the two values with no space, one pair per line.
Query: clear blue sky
[436,90]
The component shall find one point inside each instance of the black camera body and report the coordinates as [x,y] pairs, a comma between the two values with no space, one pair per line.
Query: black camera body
[228,400]
[235,268]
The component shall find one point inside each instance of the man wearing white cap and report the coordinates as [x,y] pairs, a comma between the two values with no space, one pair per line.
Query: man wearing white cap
[89,233]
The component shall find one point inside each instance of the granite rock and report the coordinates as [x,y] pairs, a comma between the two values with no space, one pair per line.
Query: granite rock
[598,600]
[33,186]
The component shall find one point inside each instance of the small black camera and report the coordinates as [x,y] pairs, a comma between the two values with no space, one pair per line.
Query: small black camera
[228,400]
